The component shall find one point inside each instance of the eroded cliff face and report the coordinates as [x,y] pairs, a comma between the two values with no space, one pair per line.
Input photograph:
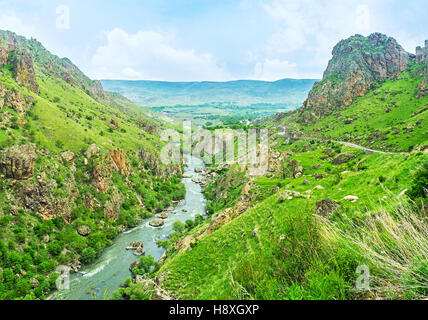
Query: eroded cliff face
[22,65]
[18,162]
[357,64]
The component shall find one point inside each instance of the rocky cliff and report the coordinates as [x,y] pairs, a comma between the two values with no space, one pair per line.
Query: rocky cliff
[21,63]
[24,52]
[358,63]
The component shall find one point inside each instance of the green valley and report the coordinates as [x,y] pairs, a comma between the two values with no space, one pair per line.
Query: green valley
[340,212]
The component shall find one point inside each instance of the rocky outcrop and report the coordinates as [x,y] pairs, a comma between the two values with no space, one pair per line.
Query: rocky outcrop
[344,158]
[18,162]
[295,169]
[113,205]
[102,172]
[185,243]
[101,178]
[248,195]
[356,64]
[23,68]
[22,65]
[16,100]
[326,208]
[4,55]
[39,198]
[423,88]
[148,127]
[119,161]
[422,53]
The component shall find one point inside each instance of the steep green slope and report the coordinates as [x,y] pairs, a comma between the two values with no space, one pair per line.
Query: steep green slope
[79,166]
[280,249]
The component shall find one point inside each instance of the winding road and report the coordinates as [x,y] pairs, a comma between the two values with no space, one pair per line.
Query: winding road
[284,134]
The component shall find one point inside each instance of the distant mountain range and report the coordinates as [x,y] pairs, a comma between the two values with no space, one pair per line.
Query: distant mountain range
[243,92]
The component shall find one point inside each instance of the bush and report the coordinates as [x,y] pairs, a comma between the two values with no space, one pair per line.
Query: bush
[88,255]
[178,226]
[420,184]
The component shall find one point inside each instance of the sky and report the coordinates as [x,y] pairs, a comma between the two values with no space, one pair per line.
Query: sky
[208,40]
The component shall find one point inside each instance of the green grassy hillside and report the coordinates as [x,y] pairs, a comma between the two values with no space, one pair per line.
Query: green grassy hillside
[74,203]
[392,117]
[283,250]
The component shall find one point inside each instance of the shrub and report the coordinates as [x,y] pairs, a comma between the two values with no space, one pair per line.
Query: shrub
[178,226]
[88,255]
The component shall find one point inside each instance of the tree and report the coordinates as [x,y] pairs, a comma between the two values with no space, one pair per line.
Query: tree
[189,224]
[146,263]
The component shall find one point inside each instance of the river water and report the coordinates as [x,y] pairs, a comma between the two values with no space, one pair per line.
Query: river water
[109,271]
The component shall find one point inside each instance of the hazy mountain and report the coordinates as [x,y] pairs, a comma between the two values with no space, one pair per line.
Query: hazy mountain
[242,92]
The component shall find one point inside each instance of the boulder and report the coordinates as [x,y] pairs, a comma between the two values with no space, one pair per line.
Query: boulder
[187,176]
[92,150]
[295,169]
[163,215]
[139,251]
[290,195]
[46,238]
[326,208]
[68,156]
[351,198]
[18,162]
[157,223]
[135,245]
[83,230]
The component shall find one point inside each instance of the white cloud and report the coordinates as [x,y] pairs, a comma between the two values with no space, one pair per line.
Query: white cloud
[151,55]
[10,21]
[307,30]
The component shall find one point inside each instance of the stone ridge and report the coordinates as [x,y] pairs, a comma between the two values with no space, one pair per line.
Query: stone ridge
[358,62]
[50,64]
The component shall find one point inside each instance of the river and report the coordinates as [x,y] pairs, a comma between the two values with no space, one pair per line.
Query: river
[109,271]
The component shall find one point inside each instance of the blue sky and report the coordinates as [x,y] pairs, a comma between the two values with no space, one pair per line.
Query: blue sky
[219,40]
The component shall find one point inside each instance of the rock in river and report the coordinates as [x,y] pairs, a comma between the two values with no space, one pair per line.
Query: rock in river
[157,223]
[163,215]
